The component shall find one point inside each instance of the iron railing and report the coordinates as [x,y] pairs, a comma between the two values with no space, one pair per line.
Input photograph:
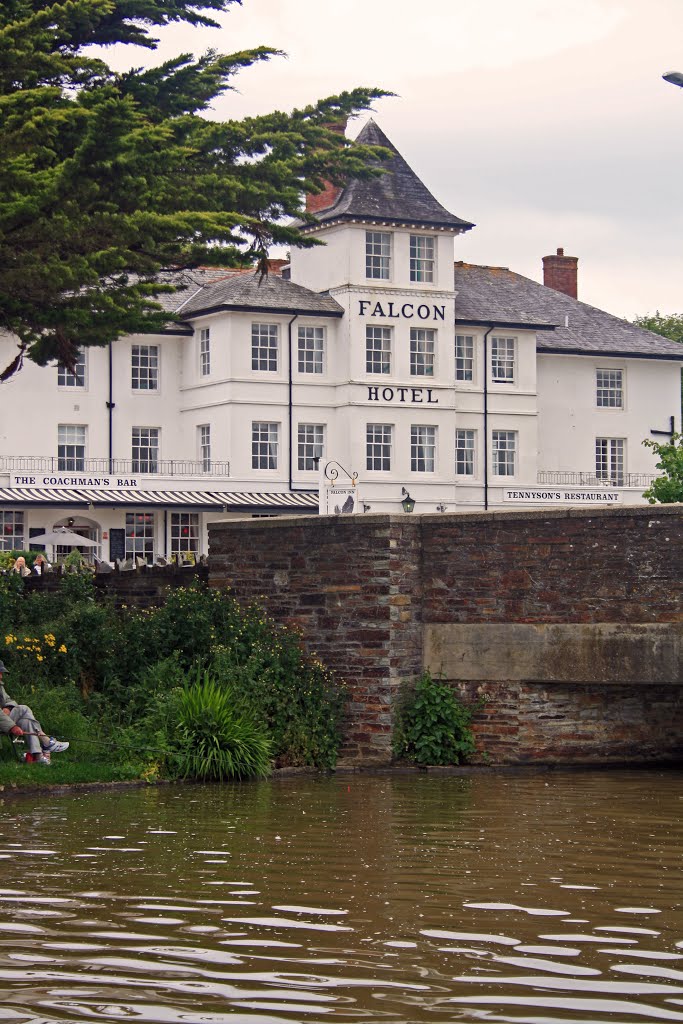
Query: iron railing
[110,467]
[581,479]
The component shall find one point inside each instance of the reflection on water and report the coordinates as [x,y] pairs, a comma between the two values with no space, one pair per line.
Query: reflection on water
[490,898]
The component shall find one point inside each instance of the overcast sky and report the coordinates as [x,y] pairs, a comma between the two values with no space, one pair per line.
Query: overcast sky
[546,123]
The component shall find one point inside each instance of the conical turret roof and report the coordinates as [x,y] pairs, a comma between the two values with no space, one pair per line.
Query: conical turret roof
[396,197]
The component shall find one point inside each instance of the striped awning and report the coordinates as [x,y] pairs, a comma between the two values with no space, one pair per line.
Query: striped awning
[232,501]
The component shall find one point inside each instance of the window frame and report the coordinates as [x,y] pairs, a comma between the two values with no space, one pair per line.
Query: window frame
[66,379]
[461,464]
[500,456]
[461,360]
[144,543]
[614,458]
[141,370]
[69,459]
[265,347]
[423,448]
[609,389]
[150,463]
[375,256]
[185,521]
[258,454]
[204,445]
[430,338]
[379,447]
[499,375]
[422,265]
[15,539]
[376,355]
[316,351]
[307,446]
[204,351]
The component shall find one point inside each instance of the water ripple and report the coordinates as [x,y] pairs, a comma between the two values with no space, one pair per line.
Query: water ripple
[357,900]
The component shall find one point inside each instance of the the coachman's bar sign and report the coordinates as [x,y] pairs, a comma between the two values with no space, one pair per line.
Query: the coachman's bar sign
[102,483]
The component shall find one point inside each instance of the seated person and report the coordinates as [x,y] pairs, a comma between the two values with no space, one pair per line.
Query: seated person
[41,565]
[17,720]
[21,567]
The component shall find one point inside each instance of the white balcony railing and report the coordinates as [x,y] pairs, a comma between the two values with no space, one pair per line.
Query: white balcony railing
[120,467]
[572,478]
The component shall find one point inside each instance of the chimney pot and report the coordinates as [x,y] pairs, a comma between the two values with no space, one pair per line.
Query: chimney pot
[560,272]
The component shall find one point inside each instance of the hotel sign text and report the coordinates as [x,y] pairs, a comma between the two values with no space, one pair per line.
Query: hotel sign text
[396,310]
[418,396]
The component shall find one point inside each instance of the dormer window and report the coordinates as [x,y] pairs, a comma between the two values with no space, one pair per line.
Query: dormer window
[422,259]
[378,255]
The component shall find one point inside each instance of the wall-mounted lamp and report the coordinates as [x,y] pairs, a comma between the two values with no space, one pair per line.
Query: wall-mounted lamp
[408,502]
[441,508]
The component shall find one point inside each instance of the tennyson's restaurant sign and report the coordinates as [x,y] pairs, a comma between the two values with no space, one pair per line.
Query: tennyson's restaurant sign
[561,496]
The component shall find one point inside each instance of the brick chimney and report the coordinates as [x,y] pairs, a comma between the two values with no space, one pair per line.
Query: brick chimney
[560,273]
[330,193]
[323,200]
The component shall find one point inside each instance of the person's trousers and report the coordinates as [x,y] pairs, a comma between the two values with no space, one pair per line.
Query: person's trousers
[22,716]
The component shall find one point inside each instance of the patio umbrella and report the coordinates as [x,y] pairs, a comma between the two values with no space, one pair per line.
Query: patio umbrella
[67,538]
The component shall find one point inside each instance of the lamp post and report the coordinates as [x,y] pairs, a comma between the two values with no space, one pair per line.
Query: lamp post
[675,77]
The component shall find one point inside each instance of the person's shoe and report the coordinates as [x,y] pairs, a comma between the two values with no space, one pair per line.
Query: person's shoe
[41,759]
[56,746]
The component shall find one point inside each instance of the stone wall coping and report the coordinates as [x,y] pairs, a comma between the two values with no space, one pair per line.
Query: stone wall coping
[499,515]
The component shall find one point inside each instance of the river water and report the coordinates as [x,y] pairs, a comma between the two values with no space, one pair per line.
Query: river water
[531,898]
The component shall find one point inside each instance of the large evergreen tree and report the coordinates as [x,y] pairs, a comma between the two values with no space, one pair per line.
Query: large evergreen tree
[106,179]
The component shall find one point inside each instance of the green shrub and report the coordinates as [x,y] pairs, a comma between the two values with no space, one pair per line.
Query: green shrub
[125,667]
[217,739]
[294,696]
[432,725]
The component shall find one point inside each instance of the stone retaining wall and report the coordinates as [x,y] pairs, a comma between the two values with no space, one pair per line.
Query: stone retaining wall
[473,596]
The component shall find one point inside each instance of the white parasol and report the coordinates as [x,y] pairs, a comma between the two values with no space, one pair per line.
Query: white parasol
[64,537]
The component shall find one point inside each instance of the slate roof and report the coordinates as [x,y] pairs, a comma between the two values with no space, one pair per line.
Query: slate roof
[253,292]
[496,295]
[397,196]
[188,283]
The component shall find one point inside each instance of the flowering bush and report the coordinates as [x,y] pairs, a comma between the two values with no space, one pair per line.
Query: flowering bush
[124,666]
[33,654]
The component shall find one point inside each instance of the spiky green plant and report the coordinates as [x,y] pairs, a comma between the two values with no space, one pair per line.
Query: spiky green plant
[217,738]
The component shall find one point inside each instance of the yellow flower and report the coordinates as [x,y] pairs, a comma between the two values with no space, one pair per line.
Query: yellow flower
[62,649]
[39,657]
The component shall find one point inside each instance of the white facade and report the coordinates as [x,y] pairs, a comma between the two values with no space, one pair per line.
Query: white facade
[228,416]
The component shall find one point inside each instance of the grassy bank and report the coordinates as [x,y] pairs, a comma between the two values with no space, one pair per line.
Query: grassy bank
[197,688]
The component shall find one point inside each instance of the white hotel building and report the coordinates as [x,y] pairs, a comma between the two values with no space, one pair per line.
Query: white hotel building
[468,387]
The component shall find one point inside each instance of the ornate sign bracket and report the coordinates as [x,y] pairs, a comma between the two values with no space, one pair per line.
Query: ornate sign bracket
[332,469]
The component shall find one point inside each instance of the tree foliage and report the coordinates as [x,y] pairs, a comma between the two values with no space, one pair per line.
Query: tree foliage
[667,488]
[668,326]
[108,178]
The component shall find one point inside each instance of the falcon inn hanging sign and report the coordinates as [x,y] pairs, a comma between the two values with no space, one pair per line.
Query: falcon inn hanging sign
[338,497]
